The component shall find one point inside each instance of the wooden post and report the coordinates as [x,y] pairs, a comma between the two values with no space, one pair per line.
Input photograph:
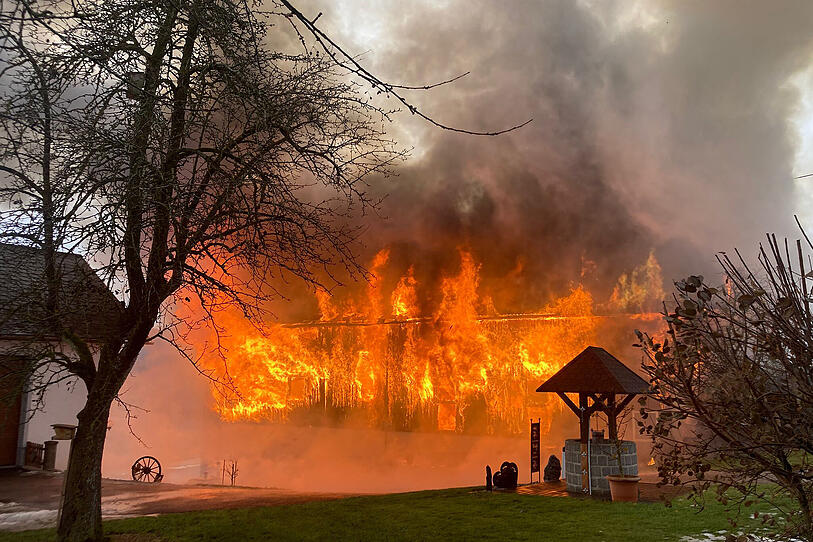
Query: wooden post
[584,434]
[612,422]
[584,451]
[584,416]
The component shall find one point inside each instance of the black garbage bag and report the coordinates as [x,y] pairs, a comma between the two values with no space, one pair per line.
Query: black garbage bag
[488,477]
[553,470]
[506,477]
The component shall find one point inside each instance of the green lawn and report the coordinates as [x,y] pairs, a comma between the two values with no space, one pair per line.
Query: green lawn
[453,514]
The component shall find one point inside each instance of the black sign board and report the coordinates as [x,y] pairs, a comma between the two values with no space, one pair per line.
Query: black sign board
[535,447]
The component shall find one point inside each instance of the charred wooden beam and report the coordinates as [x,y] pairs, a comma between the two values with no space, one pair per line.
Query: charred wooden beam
[492,318]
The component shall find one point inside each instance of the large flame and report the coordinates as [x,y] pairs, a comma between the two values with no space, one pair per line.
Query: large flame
[381,360]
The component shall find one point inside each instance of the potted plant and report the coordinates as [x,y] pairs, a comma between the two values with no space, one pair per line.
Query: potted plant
[623,487]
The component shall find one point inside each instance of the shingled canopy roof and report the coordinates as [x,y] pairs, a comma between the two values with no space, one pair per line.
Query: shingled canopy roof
[86,305]
[597,377]
[595,371]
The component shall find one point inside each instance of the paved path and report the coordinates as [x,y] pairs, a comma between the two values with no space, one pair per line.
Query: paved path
[29,500]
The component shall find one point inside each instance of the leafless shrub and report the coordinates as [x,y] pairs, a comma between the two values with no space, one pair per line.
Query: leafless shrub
[734,379]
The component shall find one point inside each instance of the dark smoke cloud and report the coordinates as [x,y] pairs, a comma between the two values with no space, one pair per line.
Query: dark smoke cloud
[656,125]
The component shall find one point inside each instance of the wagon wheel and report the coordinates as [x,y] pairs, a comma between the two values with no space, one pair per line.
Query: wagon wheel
[147,469]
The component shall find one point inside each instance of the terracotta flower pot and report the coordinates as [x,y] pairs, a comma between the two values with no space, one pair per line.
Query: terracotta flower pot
[624,488]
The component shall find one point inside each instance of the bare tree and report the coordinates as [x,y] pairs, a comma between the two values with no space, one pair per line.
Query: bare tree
[48,293]
[734,379]
[188,160]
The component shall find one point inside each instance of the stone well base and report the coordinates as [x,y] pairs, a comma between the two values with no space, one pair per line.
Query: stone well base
[603,461]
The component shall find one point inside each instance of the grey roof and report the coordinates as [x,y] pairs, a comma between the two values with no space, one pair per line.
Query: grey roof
[86,305]
[595,371]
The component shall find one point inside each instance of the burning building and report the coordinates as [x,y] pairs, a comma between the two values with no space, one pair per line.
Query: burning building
[417,357]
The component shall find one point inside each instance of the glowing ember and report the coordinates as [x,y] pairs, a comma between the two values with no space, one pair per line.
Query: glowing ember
[381,361]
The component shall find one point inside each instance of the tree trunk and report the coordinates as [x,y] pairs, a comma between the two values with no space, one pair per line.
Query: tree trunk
[806,513]
[81,519]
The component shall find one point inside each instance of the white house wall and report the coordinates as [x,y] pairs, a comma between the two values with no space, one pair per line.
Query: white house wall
[62,402]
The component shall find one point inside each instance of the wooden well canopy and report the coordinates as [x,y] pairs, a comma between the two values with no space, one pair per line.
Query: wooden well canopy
[596,375]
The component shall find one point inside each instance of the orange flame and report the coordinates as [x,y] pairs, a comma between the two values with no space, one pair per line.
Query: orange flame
[380,360]
[404,297]
[634,291]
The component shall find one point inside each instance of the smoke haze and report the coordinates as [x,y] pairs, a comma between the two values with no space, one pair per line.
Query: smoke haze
[182,430]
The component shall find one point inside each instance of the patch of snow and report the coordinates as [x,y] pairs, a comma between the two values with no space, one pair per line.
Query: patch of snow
[720,536]
[706,537]
[24,520]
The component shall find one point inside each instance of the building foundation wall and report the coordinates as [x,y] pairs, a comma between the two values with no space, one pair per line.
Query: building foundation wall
[604,461]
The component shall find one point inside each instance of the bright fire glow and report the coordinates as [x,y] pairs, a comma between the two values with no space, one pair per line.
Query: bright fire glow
[383,361]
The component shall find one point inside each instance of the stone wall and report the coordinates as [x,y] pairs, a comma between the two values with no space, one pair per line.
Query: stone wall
[603,461]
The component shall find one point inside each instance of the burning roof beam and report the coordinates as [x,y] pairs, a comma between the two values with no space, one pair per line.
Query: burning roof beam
[493,318]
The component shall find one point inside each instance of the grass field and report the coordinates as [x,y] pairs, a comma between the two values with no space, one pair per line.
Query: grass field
[453,514]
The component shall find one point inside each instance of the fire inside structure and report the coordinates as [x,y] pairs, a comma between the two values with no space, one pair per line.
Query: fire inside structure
[382,362]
